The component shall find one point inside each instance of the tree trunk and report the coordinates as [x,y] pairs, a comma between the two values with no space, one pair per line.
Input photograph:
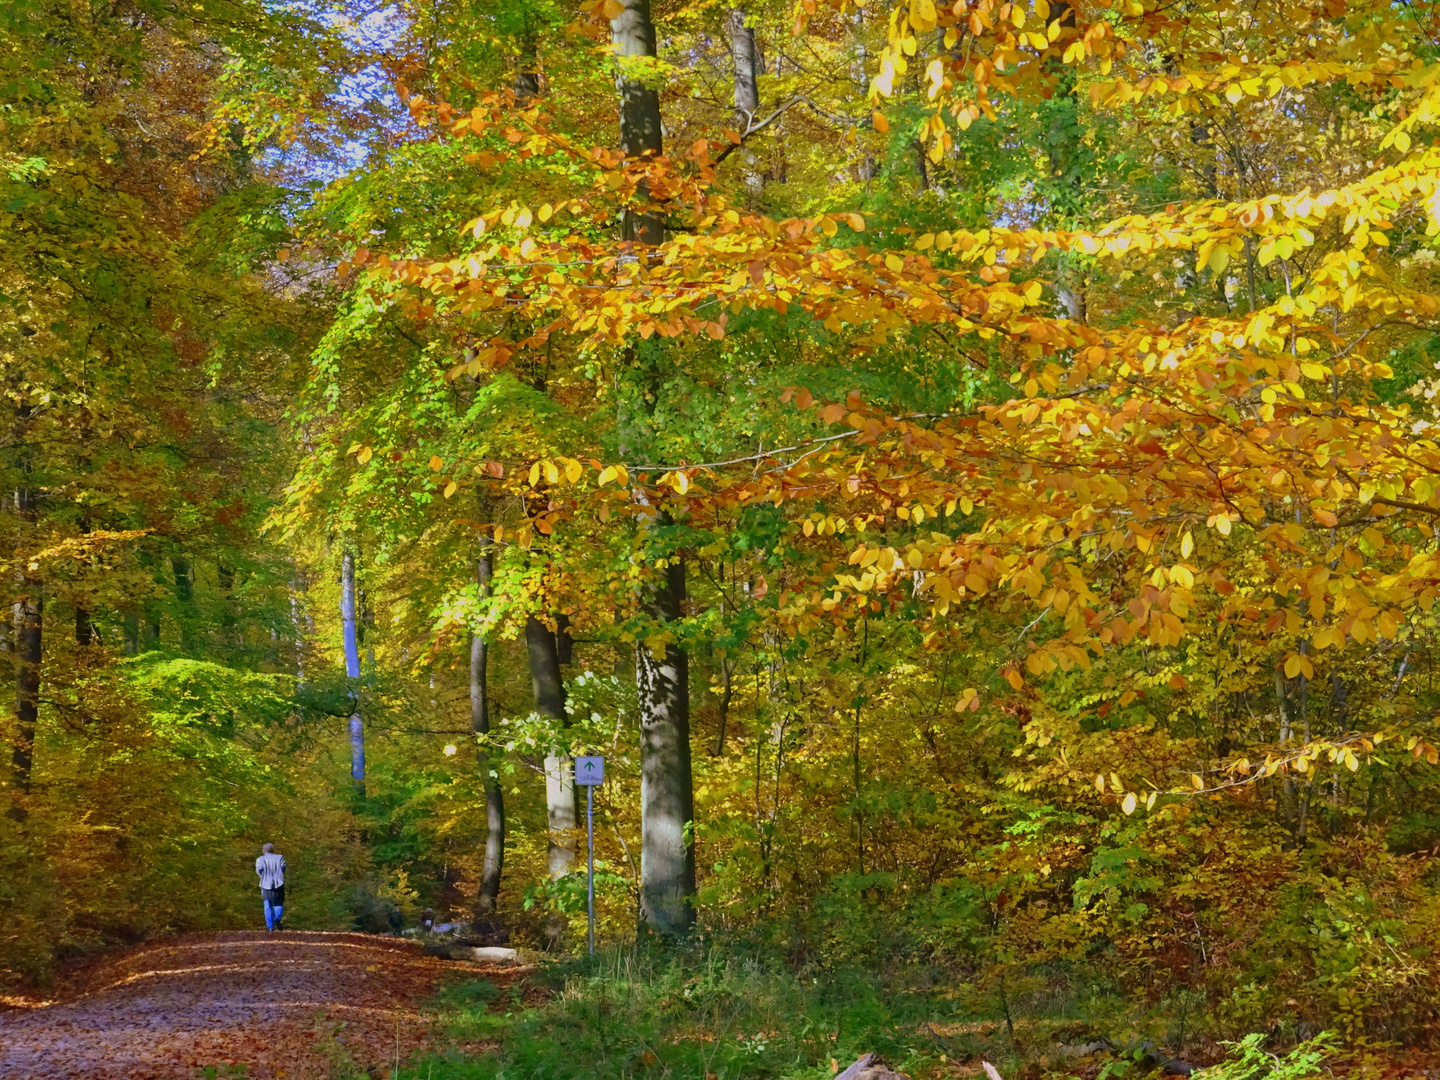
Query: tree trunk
[185,595]
[1063,142]
[667,804]
[352,669]
[633,34]
[745,55]
[488,900]
[29,645]
[667,801]
[527,69]
[131,621]
[549,689]
[749,65]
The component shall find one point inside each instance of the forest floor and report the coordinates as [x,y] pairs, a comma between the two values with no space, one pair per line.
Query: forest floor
[265,1006]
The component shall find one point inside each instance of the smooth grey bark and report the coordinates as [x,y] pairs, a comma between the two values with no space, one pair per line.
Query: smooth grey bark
[633,34]
[745,55]
[749,66]
[131,622]
[299,627]
[667,799]
[549,689]
[29,652]
[667,803]
[494,865]
[352,668]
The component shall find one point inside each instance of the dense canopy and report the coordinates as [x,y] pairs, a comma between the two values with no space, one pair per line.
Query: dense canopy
[971,469]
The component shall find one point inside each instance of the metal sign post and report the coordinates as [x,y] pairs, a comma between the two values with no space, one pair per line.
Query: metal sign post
[590,771]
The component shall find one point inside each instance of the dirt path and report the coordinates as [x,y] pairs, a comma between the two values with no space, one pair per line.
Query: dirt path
[165,1010]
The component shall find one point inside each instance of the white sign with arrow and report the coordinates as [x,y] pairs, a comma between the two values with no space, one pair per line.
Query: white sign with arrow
[590,772]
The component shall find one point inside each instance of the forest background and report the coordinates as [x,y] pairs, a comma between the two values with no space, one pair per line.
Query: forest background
[967,467]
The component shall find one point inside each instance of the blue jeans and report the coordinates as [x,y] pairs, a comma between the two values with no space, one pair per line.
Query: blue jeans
[274,906]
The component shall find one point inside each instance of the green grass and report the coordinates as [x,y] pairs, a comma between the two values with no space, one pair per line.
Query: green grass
[637,1015]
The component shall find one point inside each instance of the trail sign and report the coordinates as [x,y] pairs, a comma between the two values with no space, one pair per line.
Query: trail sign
[589,770]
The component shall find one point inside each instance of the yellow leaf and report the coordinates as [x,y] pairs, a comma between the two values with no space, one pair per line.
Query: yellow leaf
[1100,783]
[573,470]
[925,242]
[607,474]
[1197,783]
[882,125]
[1293,663]
[1129,804]
[546,212]
[1187,544]
[436,464]
[1014,678]
[366,453]
[451,488]
[1233,93]
[552,474]
[855,221]
[535,474]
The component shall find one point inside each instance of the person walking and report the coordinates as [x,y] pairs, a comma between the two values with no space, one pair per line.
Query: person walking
[271,868]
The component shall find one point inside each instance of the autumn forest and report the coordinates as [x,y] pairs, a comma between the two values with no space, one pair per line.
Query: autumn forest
[970,469]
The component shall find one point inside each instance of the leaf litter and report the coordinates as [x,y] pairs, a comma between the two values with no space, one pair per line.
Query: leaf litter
[288,1006]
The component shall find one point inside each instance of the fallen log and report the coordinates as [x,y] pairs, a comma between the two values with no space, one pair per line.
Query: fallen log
[870,1067]
[484,954]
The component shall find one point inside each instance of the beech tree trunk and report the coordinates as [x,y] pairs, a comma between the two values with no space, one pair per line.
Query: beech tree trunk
[488,900]
[527,69]
[745,55]
[667,800]
[1063,143]
[667,803]
[633,34]
[29,651]
[352,668]
[185,594]
[549,690]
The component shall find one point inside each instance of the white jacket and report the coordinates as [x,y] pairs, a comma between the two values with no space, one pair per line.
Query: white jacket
[271,868]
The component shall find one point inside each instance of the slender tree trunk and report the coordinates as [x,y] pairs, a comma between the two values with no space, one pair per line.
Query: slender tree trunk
[297,623]
[488,899]
[633,34]
[131,621]
[185,595]
[549,690]
[667,801]
[527,69]
[745,55]
[352,669]
[29,652]
[1063,144]
[84,628]
[749,66]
